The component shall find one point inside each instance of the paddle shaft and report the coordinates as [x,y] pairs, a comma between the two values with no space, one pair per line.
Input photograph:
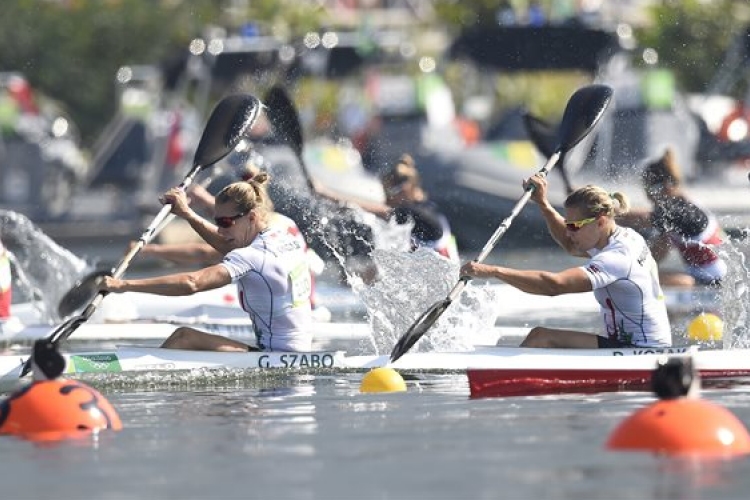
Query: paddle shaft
[146,237]
[305,172]
[169,218]
[284,115]
[503,227]
[298,148]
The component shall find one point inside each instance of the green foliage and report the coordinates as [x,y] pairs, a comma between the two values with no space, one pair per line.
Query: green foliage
[71,50]
[691,37]
[465,13]
[286,17]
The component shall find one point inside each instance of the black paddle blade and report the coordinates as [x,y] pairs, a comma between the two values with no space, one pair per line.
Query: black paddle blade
[284,118]
[81,293]
[584,109]
[229,122]
[419,328]
[544,137]
[541,133]
[64,329]
[47,359]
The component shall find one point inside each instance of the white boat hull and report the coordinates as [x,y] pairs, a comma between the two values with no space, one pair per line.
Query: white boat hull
[514,370]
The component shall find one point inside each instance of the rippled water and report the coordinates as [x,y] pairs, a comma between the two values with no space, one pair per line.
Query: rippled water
[320,438]
[281,435]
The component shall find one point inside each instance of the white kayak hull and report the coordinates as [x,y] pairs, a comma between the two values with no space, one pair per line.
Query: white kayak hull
[515,371]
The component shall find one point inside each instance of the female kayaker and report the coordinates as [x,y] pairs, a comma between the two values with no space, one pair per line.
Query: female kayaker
[681,224]
[621,272]
[268,265]
[406,201]
[202,253]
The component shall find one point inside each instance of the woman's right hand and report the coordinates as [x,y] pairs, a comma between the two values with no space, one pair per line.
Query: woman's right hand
[539,193]
[179,201]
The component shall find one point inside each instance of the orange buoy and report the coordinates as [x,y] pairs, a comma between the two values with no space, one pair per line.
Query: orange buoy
[682,427]
[51,408]
[56,409]
[681,423]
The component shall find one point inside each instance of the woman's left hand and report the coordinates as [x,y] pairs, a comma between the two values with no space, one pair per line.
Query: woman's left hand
[475,269]
[110,284]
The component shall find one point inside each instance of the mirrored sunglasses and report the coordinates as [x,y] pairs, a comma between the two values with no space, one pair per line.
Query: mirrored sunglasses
[229,220]
[575,225]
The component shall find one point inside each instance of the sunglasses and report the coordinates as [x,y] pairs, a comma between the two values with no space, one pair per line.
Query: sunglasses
[575,225]
[229,220]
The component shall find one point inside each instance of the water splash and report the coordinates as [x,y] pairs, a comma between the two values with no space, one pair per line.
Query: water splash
[408,284]
[329,227]
[43,269]
[734,297]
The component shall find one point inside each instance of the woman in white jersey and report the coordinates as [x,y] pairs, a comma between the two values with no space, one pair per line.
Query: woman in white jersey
[267,264]
[202,253]
[620,270]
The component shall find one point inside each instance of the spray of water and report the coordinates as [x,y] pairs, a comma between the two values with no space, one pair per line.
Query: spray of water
[42,269]
[734,297]
[408,283]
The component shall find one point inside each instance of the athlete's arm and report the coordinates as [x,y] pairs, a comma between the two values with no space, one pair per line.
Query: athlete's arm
[573,280]
[184,253]
[179,284]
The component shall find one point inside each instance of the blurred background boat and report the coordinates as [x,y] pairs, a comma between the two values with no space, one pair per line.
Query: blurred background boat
[368,95]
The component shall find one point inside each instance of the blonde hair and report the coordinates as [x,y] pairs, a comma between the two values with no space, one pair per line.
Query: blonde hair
[664,170]
[250,171]
[403,172]
[596,201]
[248,195]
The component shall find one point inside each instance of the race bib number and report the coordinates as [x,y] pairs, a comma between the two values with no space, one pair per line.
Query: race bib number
[301,285]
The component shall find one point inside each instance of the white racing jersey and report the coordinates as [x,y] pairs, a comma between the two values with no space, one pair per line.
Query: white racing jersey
[625,279]
[273,285]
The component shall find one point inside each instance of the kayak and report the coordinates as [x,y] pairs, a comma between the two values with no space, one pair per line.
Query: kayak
[491,370]
[625,370]
[144,358]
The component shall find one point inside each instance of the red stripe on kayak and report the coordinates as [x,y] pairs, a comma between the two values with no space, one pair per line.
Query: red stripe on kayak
[503,383]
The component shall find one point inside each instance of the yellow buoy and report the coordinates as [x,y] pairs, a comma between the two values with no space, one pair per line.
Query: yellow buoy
[382,380]
[705,327]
